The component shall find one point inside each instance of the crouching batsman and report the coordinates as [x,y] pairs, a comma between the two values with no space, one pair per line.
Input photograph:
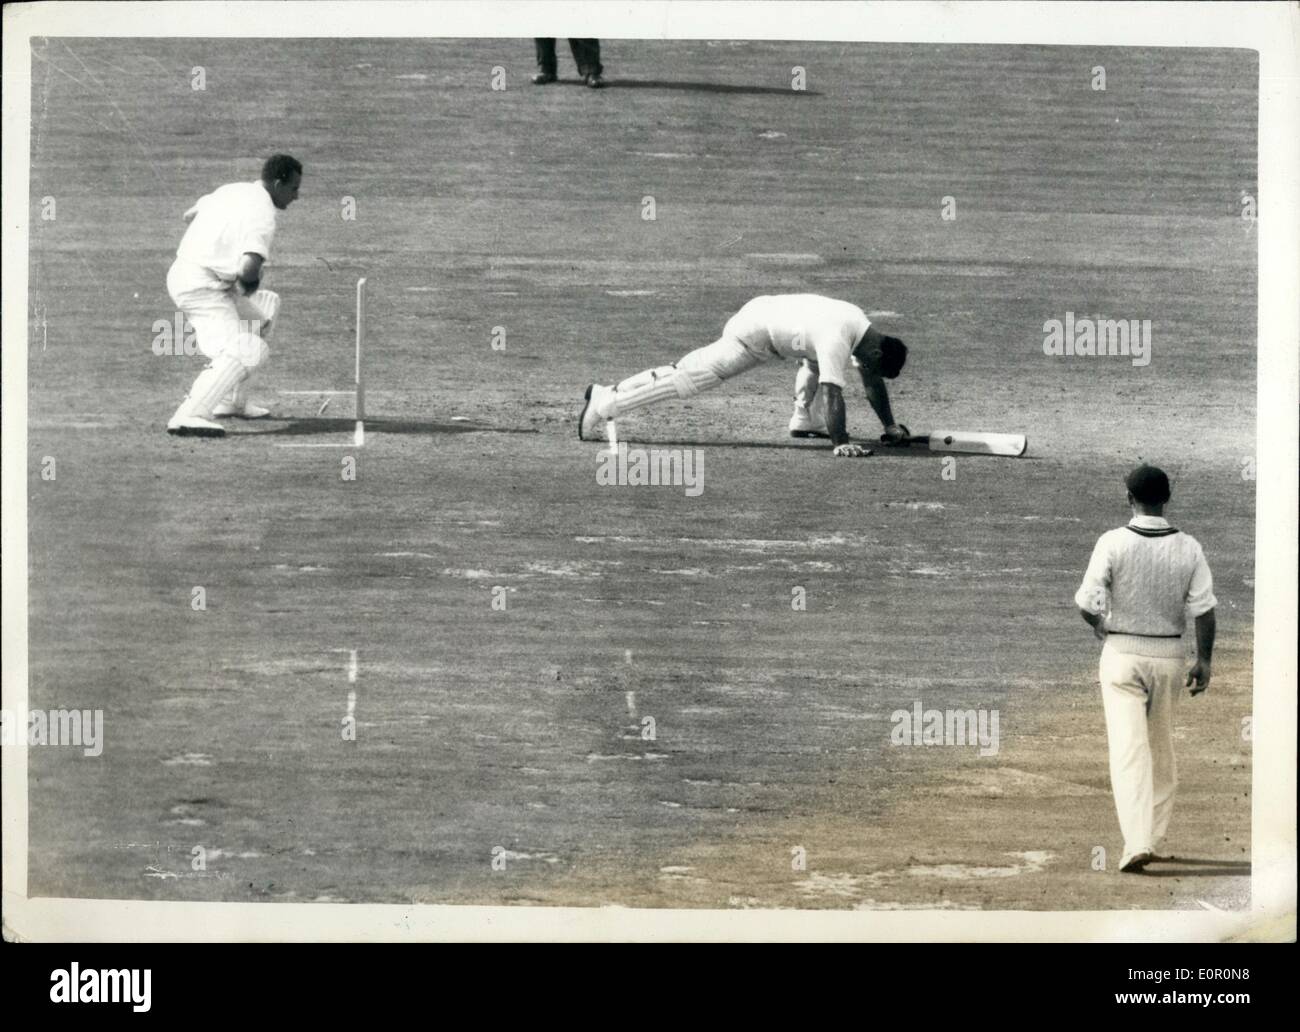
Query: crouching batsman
[833,339]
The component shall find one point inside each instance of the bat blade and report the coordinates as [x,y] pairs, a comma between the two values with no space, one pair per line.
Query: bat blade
[973,442]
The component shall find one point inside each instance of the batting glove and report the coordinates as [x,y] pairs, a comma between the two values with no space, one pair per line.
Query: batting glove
[850,451]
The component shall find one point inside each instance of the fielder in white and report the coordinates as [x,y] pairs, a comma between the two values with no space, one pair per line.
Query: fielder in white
[1143,581]
[835,340]
[214,281]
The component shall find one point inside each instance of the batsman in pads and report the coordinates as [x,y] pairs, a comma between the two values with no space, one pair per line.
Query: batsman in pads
[215,280]
[836,337]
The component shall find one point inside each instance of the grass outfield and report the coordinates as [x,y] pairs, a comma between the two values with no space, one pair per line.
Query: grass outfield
[519,733]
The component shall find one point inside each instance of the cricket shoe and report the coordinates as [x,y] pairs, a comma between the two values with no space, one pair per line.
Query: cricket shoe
[194,426]
[590,423]
[803,423]
[247,410]
[1134,864]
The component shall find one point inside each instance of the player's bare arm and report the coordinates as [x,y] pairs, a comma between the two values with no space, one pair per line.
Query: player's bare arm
[1198,678]
[879,356]
[878,398]
[249,275]
[1096,622]
[836,417]
[841,446]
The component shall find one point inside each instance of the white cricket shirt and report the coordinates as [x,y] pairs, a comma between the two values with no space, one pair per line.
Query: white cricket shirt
[233,220]
[804,326]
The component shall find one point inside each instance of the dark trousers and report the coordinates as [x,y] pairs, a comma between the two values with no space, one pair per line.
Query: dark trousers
[586,55]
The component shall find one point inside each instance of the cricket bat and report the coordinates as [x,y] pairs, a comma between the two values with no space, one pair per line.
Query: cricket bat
[972,442]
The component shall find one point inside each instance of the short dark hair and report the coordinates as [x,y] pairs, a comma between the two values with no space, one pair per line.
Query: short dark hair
[893,356]
[279,167]
[1148,485]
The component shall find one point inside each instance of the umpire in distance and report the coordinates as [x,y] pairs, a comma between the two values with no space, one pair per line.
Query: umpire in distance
[1142,582]
[586,55]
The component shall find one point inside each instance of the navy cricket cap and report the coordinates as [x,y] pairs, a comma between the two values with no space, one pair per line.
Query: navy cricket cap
[1148,484]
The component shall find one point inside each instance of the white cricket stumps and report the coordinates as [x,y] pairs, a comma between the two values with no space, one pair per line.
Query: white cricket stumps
[359,388]
[359,434]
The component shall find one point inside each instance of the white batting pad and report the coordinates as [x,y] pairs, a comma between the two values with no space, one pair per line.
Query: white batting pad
[214,383]
[645,388]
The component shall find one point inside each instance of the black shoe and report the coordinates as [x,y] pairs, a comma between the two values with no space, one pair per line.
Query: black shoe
[1134,864]
[595,81]
[543,78]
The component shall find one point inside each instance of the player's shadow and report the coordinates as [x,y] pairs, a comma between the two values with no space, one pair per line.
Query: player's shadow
[707,87]
[1191,867]
[815,445]
[920,451]
[314,425]
[792,445]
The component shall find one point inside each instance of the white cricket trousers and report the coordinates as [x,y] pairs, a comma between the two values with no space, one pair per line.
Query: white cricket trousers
[228,329]
[218,312]
[1138,694]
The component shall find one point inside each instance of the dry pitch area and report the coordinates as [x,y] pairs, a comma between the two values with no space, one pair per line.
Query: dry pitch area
[521,730]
